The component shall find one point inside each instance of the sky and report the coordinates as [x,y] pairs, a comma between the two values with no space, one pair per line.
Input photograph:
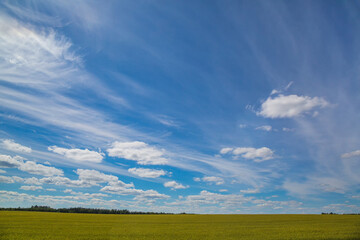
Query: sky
[181,106]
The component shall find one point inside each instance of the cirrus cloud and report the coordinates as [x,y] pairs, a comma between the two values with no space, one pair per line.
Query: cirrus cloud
[351,154]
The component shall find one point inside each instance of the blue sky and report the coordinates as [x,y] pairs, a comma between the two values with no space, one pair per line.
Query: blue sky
[201,106]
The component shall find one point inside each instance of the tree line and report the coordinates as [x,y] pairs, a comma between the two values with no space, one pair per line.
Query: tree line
[37,208]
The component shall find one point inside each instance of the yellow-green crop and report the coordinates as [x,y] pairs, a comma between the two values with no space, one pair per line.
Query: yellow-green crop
[42,225]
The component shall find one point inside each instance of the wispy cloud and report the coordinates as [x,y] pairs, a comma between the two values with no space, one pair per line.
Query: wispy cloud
[266,128]
[351,154]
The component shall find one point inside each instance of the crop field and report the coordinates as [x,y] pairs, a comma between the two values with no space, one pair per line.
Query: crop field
[43,225]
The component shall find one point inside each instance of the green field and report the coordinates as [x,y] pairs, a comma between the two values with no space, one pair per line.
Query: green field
[42,225]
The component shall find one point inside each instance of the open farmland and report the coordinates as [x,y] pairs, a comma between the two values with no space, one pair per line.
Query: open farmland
[41,225]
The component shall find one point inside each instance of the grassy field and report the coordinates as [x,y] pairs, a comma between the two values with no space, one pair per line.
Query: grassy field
[41,225]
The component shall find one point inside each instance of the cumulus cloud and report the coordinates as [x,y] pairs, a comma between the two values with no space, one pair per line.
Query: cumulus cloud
[264,128]
[351,154]
[231,202]
[210,179]
[137,151]
[256,154]
[39,169]
[31,181]
[15,147]
[7,161]
[174,185]
[28,166]
[94,177]
[30,188]
[140,194]
[5,179]
[225,150]
[290,106]
[79,155]
[64,181]
[147,173]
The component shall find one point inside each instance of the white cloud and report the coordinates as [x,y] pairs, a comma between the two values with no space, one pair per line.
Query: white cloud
[351,154]
[250,191]
[85,195]
[174,185]
[197,179]
[274,91]
[32,181]
[64,181]
[242,126]
[5,179]
[225,150]
[15,147]
[140,194]
[39,169]
[256,154]
[2,171]
[51,189]
[94,177]
[205,197]
[290,106]
[264,128]
[47,163]
[80,155]
[212,179]
[30,188]
[147,173]
[28,166]
[223,190]
[7,161]
[137,151]
[287,129]
[59,200]
[39,63]
[231,203]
